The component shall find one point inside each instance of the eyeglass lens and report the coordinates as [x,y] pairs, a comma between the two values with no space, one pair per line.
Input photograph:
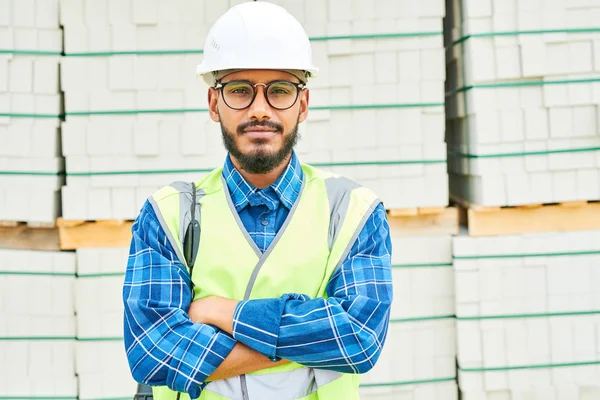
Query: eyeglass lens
[239,95]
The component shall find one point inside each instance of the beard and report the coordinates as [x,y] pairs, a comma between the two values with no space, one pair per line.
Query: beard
[260,161]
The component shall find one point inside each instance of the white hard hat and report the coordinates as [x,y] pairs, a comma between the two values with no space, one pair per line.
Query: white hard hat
[256,35]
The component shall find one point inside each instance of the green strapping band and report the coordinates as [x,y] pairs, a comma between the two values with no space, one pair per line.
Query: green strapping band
[404,383]
[106,398]
[21,338]
[438,265]
[100,339]
[513,84]
[37,273]
[202,110]
[30,115]
[206,170]
[38,398]
[540,315]
[101,275]
[200,51]
[526,32]
[31,53]
[32,173]
[500,256]
[419,319]
[536,366]
[524,153]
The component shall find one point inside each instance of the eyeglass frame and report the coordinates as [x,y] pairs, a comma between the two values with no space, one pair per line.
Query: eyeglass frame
[299,87]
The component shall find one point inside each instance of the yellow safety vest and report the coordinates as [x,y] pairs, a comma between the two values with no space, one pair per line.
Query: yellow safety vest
[315,239]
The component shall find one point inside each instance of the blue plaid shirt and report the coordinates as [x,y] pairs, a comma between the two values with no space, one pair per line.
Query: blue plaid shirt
[344,332]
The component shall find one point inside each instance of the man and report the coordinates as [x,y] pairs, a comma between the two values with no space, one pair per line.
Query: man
[290,292]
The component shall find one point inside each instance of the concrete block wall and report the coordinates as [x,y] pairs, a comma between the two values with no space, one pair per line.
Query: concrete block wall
[30,104]
[37,327]
[527,316]
[418,360]
[522,109]
[381,125]
[101,363]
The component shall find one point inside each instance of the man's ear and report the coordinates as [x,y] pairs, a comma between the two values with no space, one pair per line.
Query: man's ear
[213,104]
[304,97]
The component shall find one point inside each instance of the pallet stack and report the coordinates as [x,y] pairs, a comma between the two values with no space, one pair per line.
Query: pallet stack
[101,363]
[377,111]
[528,314]
[522,136]
[31,165]
[418,360]
[522,108]
[37,328]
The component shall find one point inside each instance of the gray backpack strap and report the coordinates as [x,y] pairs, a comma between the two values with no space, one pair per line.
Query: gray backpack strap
[189,221]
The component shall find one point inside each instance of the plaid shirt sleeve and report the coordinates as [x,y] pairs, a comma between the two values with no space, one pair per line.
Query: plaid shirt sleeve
[344,332]
[164,347]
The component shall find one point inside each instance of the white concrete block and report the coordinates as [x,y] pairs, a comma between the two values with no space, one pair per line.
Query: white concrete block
[48,104]
[76,39]
[584,121]
[145,138]
[6,16]
[409,66]
[99,38]
[145,12]
[21,75]
[477,9]
[536,123]
[533,59]
[146,37]
[170,73]
[511,122]
[23,15]
[508,62]
[45,76]
[23,103]
[99,203]
[74,203]
[580,57]
[124,37]
[432,65]
[74,137]
[45,140]
[50,40]
[146,72]
[46,13]
[121,73]
[123,201]
[96,12]
[560,122]
[119,13]
[386,69]
[588,184]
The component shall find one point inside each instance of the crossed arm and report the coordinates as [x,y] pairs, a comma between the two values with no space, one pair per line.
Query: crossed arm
[218,338]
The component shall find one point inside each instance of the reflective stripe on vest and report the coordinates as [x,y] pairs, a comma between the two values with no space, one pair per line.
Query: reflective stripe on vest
[326,219]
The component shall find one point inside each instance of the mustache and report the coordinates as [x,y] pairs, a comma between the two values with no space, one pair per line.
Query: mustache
[266,124]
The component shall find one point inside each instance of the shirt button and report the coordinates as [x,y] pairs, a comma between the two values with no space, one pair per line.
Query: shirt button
[264,222]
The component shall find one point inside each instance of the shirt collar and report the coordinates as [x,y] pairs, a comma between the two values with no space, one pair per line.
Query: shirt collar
[286,187]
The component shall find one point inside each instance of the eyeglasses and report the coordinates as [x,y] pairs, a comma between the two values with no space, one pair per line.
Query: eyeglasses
[240,94]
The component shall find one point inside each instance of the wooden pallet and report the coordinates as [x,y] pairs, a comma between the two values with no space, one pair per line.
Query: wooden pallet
[424,221]
[531,218]
[109,233]
[23,236]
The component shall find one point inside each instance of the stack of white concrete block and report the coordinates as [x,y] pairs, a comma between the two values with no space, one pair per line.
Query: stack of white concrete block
[396,150]
[527,311]
[418,360]
[397,78]
[529,93]
[101,364]
[37,324]
[30,108]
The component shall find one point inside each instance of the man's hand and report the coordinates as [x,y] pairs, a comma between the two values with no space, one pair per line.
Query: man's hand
[213,310]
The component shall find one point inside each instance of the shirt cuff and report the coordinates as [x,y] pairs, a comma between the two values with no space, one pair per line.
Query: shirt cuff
[256,324]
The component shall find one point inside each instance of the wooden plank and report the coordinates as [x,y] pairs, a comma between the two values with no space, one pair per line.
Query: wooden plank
[403,212]
[444,223]
[77,234]
[520,220]
[431,210]
[23,237]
